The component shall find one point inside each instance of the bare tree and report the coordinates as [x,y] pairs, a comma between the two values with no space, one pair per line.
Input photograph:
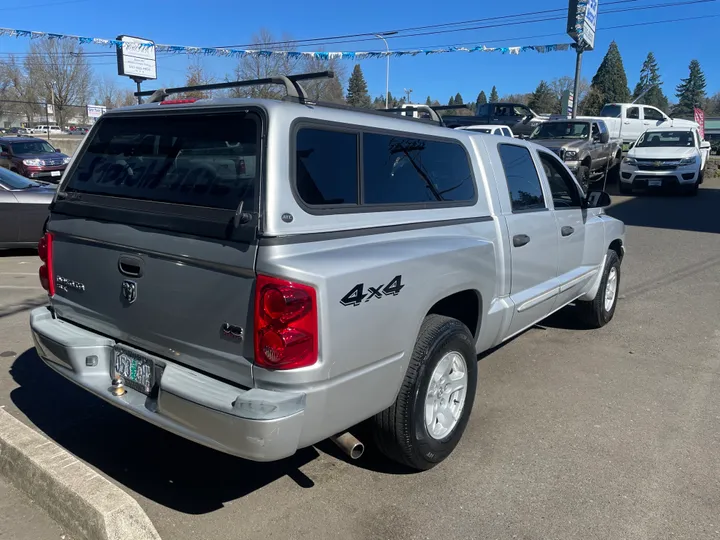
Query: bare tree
[261,67]
[18,91]
[560,84]
[329,90]
[197,75]
[60,74]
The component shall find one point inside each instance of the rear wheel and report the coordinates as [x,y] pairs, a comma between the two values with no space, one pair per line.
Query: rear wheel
[598,312]
[584,177]
[429,416]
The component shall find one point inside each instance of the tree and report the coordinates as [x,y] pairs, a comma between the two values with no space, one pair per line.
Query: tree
[451,101]
[197,75]
[357,94]
[18,89]
[691,91]
[264,66]
[712,105]
[482,98]
[60,74]
[609,85]
[494,95]
[110,95]
[650,81]
[543,100]
[561,84]
[328,90]
[516,98]
[428,101]
[458,99]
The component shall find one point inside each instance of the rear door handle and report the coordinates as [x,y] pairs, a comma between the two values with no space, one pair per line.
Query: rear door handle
[520,240]
[130,266]
[567,230]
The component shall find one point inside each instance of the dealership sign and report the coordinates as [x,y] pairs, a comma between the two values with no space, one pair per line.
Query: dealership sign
[136,58]
[95,111]
[582,22]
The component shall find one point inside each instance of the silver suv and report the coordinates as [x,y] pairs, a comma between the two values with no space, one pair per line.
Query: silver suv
[260,275]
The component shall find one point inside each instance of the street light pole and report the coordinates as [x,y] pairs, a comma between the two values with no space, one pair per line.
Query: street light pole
[387,69]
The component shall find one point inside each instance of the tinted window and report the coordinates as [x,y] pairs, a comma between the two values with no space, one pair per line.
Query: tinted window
[506,132]
[204,159]
[483,110]
[522,178]
[326,162]
[611,111]
[652,114]
[633,112]
[32,147]
[399,169]
[563,188]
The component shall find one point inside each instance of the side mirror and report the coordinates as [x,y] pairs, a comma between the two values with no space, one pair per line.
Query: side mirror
[604,137]
[4,155]
[58,150]
[597,199]
[705,144]
[527,119]
[631,145]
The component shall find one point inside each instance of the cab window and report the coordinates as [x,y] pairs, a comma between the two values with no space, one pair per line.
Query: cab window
[565,192]
[633,113]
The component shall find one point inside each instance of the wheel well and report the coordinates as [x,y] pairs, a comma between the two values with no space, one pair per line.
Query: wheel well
[587,161]
[463,306]
[616,246]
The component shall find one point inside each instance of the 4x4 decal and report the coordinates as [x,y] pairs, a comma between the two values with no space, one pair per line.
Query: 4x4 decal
[357,294]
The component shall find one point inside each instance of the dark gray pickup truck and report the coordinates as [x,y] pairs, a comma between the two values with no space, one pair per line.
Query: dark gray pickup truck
[518,117]
[584,145]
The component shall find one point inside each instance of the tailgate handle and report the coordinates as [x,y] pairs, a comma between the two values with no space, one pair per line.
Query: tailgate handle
[130,266]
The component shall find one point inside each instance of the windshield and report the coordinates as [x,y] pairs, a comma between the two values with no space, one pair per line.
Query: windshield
[611,111]
[207,159]
[32,147]
[11,180]
[655,139]
[561,130]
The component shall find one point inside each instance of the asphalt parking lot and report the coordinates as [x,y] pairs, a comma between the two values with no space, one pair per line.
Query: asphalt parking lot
[608,434]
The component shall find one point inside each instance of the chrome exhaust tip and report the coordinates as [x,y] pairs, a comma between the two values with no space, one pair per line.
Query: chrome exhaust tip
[349,444]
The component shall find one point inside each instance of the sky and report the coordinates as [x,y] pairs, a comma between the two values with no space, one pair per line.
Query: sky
[690,31]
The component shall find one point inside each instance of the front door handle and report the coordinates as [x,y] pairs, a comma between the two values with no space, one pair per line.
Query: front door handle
[567,230]
[520,240]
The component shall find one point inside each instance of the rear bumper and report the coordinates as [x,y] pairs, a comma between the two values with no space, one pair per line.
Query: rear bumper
[255,424]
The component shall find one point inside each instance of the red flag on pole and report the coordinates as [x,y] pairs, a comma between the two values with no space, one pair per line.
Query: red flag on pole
[700,119]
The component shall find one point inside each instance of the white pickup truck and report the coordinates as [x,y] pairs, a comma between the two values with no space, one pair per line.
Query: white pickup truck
[627,121]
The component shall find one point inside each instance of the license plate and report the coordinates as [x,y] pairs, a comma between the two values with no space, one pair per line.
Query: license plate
[654,183]
[136,370]
[55,173]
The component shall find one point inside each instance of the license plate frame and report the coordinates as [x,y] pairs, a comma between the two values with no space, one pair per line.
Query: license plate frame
[654,183]
[55,173]
[136,369]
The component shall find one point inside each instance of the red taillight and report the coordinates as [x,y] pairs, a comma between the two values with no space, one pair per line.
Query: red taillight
[45,251]
[177,101]
[286,324]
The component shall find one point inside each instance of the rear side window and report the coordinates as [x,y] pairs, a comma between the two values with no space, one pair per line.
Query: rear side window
[326,167]
[208,160]
[522,178]
[406,170]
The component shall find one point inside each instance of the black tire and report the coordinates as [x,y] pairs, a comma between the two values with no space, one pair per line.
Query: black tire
[584,177]
[400,431]
[624,188]
[593,312]
[613,174]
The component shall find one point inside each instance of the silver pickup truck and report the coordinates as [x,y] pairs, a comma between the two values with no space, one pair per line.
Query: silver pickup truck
[260,275]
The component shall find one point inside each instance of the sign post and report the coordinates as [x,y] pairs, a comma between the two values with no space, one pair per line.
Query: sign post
[581,25]
[136,59]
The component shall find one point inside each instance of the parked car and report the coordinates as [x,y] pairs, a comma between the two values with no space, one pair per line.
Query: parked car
[355,275]
[33,158]
[627,121]
[24,208]
[518,117]
[44,129]
[584,145]
[503,131]
[665,158]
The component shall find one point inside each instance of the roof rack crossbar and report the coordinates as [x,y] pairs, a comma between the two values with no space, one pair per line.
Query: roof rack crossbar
[291,83]
[412,107]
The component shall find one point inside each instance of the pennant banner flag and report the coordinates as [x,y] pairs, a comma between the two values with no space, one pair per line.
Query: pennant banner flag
[239,53]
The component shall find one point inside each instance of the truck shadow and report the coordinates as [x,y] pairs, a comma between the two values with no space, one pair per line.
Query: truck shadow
[153,463]
[667,210]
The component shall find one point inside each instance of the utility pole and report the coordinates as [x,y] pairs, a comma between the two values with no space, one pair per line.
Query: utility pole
[578,67]
[407,93]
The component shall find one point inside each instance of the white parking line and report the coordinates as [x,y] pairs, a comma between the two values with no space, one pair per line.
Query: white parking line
[20,287]
[18,274]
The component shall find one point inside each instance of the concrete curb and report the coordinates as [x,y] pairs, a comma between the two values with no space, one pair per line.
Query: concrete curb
[74,495]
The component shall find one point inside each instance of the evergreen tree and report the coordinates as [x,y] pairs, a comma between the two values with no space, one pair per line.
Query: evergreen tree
[451,101]
[543,99]
[482,98]
[494,98]
[428,101]
[458,99]
[609,85]
[691,91]
[650,78]
[357,94]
